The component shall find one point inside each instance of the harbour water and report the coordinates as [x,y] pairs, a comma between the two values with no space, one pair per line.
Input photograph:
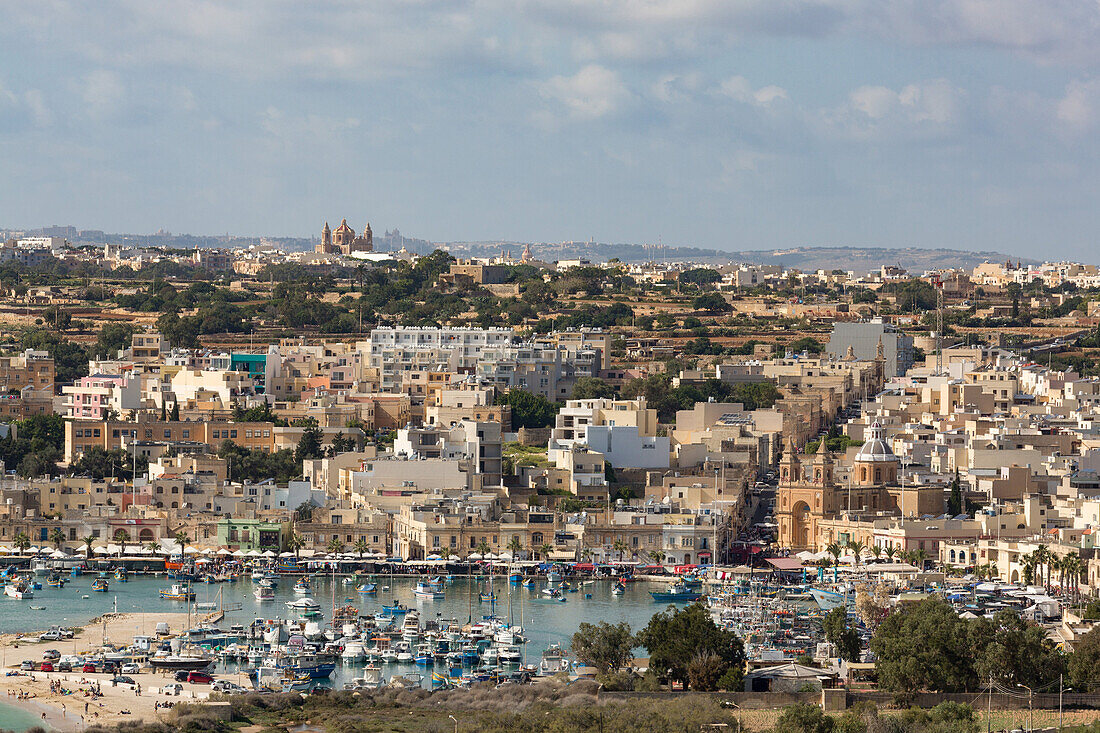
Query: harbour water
[544,621]
[17,719]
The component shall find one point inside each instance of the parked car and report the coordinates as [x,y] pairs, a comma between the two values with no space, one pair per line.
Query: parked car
[130,668]
[51,635]
[88,667]
[26,665]
[111,666]
[51,654]
[181,675]
[200,678]
[172,688]
[227,687]
[64,667]
[66,633]
[46,667]
[122,680]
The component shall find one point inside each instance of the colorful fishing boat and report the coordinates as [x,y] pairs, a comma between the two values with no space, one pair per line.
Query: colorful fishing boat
[99,585]
[178,592]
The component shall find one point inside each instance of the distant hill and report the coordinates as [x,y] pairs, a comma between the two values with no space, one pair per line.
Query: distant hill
[858,259]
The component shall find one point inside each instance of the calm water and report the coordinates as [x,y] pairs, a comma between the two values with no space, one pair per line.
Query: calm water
[544,621]
[17,719]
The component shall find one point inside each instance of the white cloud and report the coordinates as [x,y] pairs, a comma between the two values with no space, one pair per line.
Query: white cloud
[738,88]
[675,87]
[1078,108]
[921,106]
[103,93]
[36,103]
[592,92]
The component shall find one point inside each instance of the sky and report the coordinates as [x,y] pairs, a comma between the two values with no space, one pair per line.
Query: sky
[726,124]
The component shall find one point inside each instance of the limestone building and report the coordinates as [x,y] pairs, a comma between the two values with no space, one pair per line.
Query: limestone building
[344,241]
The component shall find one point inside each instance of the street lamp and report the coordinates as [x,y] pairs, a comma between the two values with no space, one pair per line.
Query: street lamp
[455,720]
[1030,711]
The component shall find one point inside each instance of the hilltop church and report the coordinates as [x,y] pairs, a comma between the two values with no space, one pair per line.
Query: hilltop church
[343,241]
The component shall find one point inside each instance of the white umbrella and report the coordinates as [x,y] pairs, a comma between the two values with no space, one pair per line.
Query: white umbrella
[207,551]
[239,553]
[269,553]
[255,553]
[190,550]
[286,554]
[58,553]
[434,557]
[224,551]
[474,556]
[144,551]
[203,561]
[505,556]
[113,549]
[99,550]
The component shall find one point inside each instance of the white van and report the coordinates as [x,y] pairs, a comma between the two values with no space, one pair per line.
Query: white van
[162,629]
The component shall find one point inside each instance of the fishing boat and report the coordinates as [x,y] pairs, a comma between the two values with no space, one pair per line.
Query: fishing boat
[301,588]
[191,661]
[397,609]
[618,589]
[553,594]
[827,599]
[515,577]
[553,661]
[178,592]
[426,591]
[121,575]
[19,590]
[553,577]
[529,583]
[99,585]
[677,592]
[486,596]
[77,571]
[424,656]
[257,575]
[264,592]
[306,606]
[55,581]
[371,679]
[367,589]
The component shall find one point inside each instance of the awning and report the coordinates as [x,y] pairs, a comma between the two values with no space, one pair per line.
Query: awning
[785,563]
[584,566]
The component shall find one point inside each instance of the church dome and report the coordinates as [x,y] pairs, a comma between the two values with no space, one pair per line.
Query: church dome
[875,449]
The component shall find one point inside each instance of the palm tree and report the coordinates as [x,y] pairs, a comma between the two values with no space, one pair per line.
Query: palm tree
[22,542]
[88,545]
[620,547]
[920,557]
[834,549]
[1029,568]
[545,550]
[876,551]
[57,537]
[857,549]
[361,547]
[122,537]
[658,556]
[181,539]
[515,547]
[1041,556]
[152,546]
[445,552]
[335,546]
[890,552]
[296,542]
[483,548]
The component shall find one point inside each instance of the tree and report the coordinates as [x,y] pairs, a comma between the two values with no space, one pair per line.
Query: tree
[924,646]
[545,549]
[620,547]
[122,537]
[175,414]
[591,388]
[22,542]
[803,717]
[335,546]
[528,409]
[515,546]
[296,543]
[88,540]
[841,634]
[674,637]
[57,537]
[309,445]
[711,303]
[607,647]
[1084,662]
[361,547]
[483,548]
[181,539]
[113,337]
[857,548]
[833,548]
[1013,651]
[955,501]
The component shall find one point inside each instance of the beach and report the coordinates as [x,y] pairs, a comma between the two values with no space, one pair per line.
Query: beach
[115,628]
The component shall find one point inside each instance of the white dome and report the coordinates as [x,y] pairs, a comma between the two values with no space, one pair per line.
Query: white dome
[875,449]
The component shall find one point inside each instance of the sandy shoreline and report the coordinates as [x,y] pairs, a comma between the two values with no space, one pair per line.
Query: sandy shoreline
[121,628]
